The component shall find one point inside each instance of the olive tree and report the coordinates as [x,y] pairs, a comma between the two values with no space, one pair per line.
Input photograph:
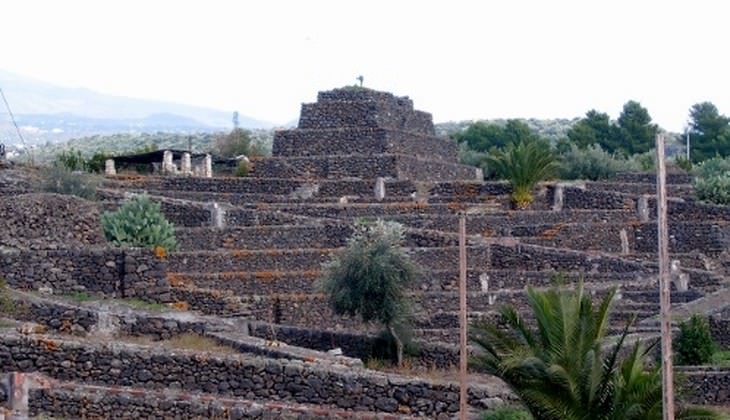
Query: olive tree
[370,278]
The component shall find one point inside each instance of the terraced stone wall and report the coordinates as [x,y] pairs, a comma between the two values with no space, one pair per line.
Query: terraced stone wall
[233,375]
[49,221]
[110,272]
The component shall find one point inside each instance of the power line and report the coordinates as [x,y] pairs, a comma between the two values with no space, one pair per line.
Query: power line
[12,117]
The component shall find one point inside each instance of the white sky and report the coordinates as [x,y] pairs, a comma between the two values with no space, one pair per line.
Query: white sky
[455,59]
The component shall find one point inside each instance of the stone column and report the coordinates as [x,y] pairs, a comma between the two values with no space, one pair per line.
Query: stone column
[217,215]
[642,208]
[558,197]
[185,165]
[208,166]
[109,168]
[379,188]
[167,166]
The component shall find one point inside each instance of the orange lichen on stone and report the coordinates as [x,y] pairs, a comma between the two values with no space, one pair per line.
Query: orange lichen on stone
[552,232]
[454,206]
[267,275]
[177,280]
[242,253]
[49,345]
[180,305]
[160,252]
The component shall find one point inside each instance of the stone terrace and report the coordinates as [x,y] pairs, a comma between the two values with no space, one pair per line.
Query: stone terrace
[251,251]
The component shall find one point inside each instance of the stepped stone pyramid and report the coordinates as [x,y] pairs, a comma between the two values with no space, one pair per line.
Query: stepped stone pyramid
[359,133]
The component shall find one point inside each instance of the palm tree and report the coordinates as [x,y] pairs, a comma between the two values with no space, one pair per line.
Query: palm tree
[524,165]
[563,368]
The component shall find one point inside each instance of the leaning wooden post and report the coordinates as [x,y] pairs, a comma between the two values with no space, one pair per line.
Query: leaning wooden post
[664,283]
[463,386]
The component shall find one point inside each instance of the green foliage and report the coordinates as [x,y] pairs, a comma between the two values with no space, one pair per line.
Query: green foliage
[139,223]
[591,163]
[714,189]
[632,133]
[71,160]
[635,129]
[721,358]
[507,413]
[715,166]
[524,165]
[483,137]
[709,132]
[683,163]
[561,368]
[644,161]
[236,143]
[471,157]
[694,344]
[242,169]
[60,180]
[594,128]
[370,278]
[7,306]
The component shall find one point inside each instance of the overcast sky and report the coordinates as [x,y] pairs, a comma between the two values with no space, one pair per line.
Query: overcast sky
[455,59]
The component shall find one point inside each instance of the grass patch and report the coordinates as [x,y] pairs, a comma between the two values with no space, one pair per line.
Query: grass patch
[80,297]
[721,358]
[184,342]
[7,323]
[507,413]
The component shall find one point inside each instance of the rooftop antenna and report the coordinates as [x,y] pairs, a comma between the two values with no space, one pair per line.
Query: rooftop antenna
[17,129]
[360,79]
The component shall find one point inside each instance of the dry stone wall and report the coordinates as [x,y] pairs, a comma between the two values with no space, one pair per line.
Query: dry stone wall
[49,221]
[110,272]
[239,376]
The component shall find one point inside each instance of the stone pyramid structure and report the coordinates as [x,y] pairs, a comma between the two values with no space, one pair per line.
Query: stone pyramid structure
[359,133]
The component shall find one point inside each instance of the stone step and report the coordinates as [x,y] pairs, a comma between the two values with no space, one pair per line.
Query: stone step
[324,234]
[369,166]
[128,402]
[306,259]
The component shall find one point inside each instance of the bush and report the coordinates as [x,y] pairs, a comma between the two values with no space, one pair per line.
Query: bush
[714,189]
[71,160]
[507,413]
[694,344]
[683,163]
[716,166]
[242,168]
[370,278]
[62,181]
[592,163]
[139,223]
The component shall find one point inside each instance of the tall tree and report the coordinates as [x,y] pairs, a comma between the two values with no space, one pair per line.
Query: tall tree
[709,132]
[594,128]
[635,129]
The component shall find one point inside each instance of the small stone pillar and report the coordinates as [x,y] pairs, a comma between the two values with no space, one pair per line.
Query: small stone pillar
[208,166]
[558,197]
[379,188]
[680,279]
[642,208]
[109,168]
[185,164]
[217,216]
[168,167]
[624,236]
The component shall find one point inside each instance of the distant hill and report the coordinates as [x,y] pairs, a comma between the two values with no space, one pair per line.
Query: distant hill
[49,113]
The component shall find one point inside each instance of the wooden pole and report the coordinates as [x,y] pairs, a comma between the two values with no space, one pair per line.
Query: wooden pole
[664,283]
[463,385]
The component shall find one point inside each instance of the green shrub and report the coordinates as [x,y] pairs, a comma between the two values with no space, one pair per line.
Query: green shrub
[716,166]
[714,189]
[644,162]
[370,278]
[139,223]
[7,306]
[683,163]
[62,181]
[242,169]
[694,344]
[591,163]
[507,413]
[71,160]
